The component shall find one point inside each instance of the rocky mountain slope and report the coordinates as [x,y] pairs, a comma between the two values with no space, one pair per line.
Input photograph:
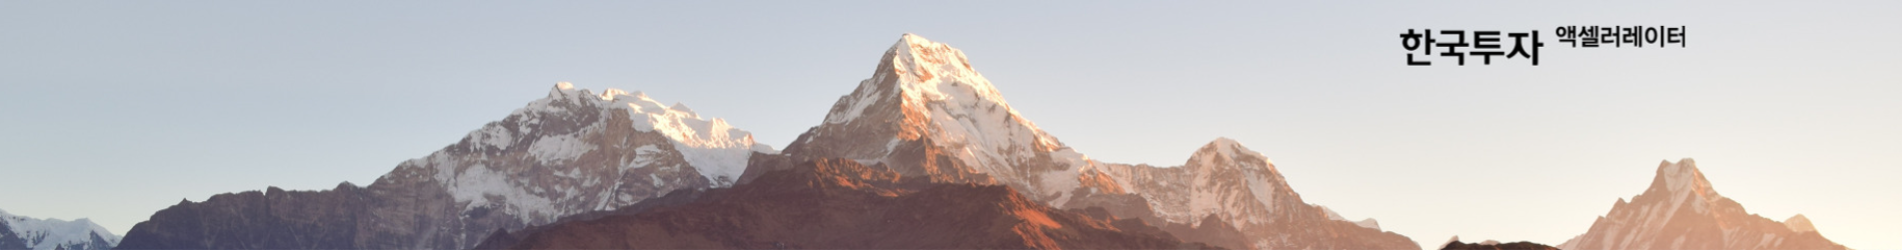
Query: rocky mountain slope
[21,232]
[926,112]
[568,153]
[840,204]
[1681,211]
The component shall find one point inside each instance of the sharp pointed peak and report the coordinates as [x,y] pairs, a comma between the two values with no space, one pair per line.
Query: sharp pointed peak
[1683,169]
[921,60]
[915,71]
[1799,224]
[1223,141]
[1224,145]
[1682,179]
[912,38]
[565,89]
[913,41]
[910,41]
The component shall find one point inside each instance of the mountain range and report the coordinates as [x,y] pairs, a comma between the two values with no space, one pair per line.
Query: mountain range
[924,153]
[21,232]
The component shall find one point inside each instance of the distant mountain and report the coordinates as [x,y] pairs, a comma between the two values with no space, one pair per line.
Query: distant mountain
[841,204]
[21,232]
[1455,244]
[568,153]
[1681,211]
[1367,223]
[927,112]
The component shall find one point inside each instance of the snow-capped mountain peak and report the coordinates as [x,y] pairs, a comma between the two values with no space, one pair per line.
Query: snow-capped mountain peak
[570,152]
[575,151]
[927,65]
[1225,148]
[21,232]
[927,91]
[717,148]
[1234,183]
[926,112]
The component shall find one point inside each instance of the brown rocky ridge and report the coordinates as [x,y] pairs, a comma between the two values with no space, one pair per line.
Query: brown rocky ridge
[841,204]
[1493,245]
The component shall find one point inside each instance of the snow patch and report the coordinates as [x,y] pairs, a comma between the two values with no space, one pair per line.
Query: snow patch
[713,147]
[559,148]
[1263,190]
[643,156]
[858,103]
[493,136]
[480,186]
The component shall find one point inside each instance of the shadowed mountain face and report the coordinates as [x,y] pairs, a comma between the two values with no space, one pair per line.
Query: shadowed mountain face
[1522,245]
[840,204]
[1681,211]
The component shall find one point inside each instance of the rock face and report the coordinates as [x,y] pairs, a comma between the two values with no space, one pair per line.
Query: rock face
[1681,211]
[21,232]
[926,112]
[568,153]
[840,204]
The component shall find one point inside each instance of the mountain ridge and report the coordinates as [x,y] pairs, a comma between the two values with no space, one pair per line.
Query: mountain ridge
[925,111]
[22,232]
[570,152]
[841,204]
[1680,210]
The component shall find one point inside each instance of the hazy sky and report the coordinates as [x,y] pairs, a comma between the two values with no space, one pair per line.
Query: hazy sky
[115,110]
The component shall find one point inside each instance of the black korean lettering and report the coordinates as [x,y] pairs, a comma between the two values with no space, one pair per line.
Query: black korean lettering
[1452,49]
[1675,35]
[1567,34]
[1411,41]
[1651,35]
[1631,35]
[1486,45]
[1588,37]
[1608,35]
[1519,46]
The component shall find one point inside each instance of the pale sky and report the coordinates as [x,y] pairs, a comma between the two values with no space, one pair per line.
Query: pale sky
[116,110]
